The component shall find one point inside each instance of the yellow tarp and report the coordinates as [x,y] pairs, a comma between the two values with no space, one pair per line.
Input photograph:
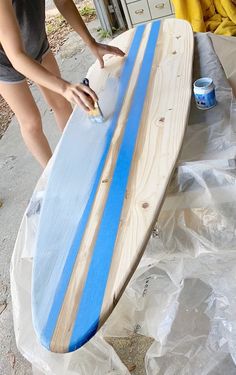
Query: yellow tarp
[217,16]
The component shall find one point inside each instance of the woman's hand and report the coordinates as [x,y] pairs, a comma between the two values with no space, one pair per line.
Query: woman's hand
[81,95]
[99,50]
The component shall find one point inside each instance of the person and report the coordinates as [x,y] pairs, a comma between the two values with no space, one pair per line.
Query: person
[25,52]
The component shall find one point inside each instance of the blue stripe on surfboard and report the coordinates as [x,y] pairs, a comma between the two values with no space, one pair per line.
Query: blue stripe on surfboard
[47,333]
[89,310]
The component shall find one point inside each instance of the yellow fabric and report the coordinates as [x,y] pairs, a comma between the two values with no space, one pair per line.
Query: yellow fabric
[217,16]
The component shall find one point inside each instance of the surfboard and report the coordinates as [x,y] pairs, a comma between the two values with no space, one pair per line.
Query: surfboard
[108,181]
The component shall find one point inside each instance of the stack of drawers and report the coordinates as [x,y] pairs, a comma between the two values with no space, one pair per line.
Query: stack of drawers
[146,10]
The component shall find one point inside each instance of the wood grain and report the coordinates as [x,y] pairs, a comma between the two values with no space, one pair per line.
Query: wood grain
[161,135]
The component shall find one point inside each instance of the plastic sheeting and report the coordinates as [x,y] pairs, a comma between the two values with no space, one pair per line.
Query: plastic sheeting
[183,294]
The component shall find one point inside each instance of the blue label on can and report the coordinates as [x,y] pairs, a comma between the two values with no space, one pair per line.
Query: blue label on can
[206,101]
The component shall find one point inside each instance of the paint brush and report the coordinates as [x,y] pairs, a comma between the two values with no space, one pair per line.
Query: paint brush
[95,115]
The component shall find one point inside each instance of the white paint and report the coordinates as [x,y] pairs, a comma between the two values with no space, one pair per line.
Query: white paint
[69,185]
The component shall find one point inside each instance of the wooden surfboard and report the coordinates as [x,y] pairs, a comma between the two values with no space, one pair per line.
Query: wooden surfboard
[108,182]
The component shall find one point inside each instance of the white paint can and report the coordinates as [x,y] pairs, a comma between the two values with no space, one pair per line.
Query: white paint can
[204,92]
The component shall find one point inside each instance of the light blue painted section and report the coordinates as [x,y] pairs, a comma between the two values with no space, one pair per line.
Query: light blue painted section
[77,170]
[91,301]
[68,190]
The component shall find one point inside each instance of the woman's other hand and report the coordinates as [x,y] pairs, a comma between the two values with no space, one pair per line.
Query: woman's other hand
[100,50]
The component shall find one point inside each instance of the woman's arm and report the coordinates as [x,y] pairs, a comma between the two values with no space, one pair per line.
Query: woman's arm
[69,11]
[11,42]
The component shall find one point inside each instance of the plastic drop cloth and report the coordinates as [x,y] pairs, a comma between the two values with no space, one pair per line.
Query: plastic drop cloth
[183,293]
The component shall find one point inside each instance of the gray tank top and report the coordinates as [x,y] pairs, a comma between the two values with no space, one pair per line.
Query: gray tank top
[30,15]
[31,18]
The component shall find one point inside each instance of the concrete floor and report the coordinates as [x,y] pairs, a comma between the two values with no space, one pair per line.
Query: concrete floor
[50,4]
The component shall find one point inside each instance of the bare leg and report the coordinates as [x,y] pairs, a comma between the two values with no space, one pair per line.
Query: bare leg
[61,107]
[21,101]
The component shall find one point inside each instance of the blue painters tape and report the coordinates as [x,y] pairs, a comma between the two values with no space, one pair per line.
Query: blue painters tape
[48,330]
[87,319]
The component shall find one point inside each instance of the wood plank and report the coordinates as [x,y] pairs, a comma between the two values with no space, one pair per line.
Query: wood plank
[64,328]
[123,199]
[68,192]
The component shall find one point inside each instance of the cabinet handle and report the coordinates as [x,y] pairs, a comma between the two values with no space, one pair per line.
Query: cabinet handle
[160,6]
[139,11]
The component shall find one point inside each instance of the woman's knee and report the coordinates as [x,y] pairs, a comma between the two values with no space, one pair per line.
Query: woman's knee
[31,124]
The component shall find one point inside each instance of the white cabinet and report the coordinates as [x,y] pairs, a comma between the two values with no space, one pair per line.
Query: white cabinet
[159,8]
[140,11]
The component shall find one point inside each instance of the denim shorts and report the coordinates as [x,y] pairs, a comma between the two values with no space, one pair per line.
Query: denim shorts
[8,74]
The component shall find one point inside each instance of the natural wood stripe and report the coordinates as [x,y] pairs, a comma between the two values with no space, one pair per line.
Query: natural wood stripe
[67,316]
[159,139]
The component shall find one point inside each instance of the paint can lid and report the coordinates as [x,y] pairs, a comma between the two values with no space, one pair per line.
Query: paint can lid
[203,84]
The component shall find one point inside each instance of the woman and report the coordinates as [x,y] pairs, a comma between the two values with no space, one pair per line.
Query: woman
[25,52]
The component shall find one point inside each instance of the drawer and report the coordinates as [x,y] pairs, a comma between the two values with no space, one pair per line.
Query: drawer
[159,8]
[139,11]
[172,6]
